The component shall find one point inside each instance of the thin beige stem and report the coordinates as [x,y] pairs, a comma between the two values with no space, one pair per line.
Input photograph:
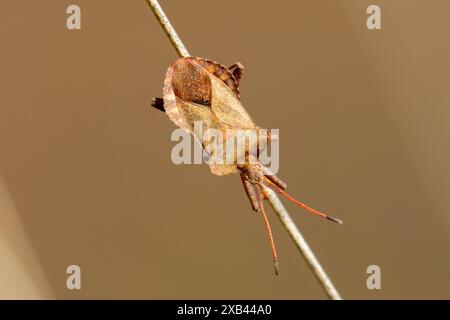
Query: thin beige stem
[168,29]
[273,199]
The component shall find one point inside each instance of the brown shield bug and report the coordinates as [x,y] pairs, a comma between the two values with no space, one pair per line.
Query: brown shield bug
[201,90]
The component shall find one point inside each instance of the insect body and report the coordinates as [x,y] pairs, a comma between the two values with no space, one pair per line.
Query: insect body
[201,90]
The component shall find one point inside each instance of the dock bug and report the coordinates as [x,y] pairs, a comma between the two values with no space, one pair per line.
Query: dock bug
[197,89]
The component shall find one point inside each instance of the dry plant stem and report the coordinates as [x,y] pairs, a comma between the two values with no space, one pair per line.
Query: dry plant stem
[301,244]
[168,29]
[273,199]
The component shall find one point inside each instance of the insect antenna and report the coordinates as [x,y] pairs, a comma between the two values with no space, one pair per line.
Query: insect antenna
[276,188]
[304,206]
[272,243]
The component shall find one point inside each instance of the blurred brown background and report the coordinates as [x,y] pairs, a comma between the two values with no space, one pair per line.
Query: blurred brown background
[86,176]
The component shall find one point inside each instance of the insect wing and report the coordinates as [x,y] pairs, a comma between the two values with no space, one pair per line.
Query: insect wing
[227,107]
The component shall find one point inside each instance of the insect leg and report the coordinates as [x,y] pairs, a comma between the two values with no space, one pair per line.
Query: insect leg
[158,103]
[269,230]
[251,193]
[277,181]
[273,180]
